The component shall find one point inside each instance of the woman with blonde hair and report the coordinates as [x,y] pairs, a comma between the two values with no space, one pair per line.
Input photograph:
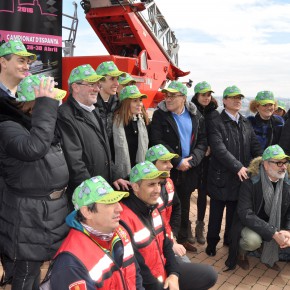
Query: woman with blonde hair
[130,129]
[267,126]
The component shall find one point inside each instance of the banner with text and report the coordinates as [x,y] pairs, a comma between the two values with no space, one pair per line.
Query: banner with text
[38,24]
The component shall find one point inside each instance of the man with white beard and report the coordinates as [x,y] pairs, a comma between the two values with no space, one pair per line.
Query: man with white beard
[263,211]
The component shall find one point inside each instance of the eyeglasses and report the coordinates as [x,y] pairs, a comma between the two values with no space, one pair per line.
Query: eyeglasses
[168,95]
[91,85]
[235,97]
[279,163]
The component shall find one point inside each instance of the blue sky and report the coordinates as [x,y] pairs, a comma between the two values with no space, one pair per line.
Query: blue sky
[226,42]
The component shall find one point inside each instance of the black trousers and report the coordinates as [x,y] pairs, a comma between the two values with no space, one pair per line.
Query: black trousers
[215,220]
[184,194]
[201,201]
[26,275]
[196,276]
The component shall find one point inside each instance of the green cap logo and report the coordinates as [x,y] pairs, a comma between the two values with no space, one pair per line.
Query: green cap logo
[159,152]
[96,190]
[202,87]
[84,73]
[130,92]
[176,87]
[15,47]
[232,91]
[124,80]
[110,69]
[265,97]
[274,152]
[146,170]
[25,89]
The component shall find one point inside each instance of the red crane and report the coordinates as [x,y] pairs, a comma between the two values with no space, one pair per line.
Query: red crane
[137,38]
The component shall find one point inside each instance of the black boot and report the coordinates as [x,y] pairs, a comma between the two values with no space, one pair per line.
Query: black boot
[190,237]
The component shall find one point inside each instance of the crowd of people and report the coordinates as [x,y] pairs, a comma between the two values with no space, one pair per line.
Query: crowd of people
[103,192]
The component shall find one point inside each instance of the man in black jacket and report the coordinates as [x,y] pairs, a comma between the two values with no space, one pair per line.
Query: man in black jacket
[233,144]
[263,211]
[108,100]
[33,202]
[179,126]
[152,248]
[14,66]
[84,139]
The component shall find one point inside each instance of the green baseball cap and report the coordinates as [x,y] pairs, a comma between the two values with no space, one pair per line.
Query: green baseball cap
[202,87]
[15,47]
[124,80]
[265,97]
[176,87]
[25,89]
[84,73]
[96,190]
[232,91]
[274,152]
[109,68]
[130,92]
[146,170]
[282,105]
[159,152]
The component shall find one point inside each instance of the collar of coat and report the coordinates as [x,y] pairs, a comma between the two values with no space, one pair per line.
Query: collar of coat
[188,105]
[254,170]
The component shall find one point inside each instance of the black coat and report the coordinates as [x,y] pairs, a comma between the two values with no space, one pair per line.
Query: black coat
[208,113]
[85,145]
[250,210]
[232,147]
[32,165]
[106,113]
[164,131]
[285,137]
[268,132]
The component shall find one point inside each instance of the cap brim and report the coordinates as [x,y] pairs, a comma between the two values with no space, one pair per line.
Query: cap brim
[113,197]
[234,94]
[136,96]
[116,73]
[170,90]
[94,78]
[60,94]
[31,56]
[282,108]
[265,102]
[155,174]
[168,156]
[127,82]
[205,91]
[280,156]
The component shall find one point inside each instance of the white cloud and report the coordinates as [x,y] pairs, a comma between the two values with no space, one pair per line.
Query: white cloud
[242,42]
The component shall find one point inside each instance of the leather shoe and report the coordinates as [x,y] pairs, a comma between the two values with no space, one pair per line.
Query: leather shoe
[210,251]
[243,262]
[275,267]
[189,247]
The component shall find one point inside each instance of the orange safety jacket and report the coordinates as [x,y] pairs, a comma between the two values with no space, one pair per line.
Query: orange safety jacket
[166,209]
[150,246]
[100,265]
